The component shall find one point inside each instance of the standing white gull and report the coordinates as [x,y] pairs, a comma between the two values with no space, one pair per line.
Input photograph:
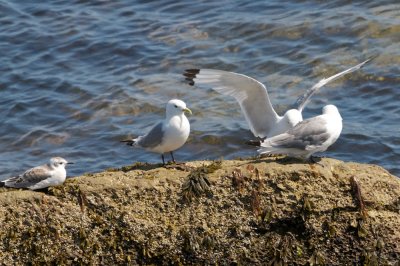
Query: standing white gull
[312,135]
[167,135]
[253,98]
[51,174]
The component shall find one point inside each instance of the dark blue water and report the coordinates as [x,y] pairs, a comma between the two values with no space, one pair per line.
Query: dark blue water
[78,76]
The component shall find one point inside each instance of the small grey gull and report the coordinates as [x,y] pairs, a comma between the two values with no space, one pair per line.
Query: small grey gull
[167,135]
[43,176]
[253,98]
[309,136]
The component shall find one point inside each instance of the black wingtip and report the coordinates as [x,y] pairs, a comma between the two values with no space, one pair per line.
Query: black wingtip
[253,143]
[190,75]
[371,58]
[128,142]
[192,71]
[2,184]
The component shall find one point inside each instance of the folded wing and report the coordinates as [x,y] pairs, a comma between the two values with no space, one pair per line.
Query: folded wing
[306,135]
[29,178]
[153,138]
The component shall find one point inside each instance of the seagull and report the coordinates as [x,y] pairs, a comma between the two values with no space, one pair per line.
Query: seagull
[167,135]
[50,174]
[253,98]
[309,136]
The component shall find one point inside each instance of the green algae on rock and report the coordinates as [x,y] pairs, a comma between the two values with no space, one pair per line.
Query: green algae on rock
[262,211]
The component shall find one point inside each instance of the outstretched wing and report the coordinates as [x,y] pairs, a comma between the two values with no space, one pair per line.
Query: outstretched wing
[251,95]
[305,98]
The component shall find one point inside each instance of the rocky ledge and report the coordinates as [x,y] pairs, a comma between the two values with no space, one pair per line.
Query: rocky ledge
[271,211]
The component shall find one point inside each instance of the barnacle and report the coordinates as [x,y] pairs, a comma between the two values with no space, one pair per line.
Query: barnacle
[190,242]
[283,250]
[267,215]
[370,258]
[307,207]
[208,241]
[361,229]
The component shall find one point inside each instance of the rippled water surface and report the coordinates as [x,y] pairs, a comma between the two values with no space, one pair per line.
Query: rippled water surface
[78,76]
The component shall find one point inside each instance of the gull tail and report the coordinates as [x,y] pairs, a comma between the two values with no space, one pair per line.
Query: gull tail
[267,148]
[2,184]
[129,142]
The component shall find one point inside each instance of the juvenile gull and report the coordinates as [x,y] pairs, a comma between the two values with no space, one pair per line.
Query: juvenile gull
[253,98]
[51,174]
[312,135]
[167,135]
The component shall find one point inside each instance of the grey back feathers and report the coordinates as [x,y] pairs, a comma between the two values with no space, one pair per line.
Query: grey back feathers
[310,132]
[153,138]
[31,176]
[312,135]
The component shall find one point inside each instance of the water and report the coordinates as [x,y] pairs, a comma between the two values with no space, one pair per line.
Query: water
[78,76]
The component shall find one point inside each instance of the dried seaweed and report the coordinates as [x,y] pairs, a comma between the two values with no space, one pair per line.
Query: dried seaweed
[357,195]
[197,183]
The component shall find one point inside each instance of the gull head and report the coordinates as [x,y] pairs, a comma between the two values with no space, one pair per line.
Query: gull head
[176,107]
[330,109]
[56,162]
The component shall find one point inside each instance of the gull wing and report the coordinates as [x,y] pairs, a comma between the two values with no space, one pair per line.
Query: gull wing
[308,133]
[305,98]
[29,178]
[153,138]
[251,95]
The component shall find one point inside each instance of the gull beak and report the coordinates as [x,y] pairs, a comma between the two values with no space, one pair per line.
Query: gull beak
[187,110]
[70,163]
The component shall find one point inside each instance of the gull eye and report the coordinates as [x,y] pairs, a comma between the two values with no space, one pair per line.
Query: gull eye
[176,106]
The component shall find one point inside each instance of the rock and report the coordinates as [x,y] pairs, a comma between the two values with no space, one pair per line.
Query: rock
[259,211]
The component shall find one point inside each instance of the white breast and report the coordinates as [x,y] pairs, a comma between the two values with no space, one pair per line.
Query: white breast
[57,177]
[176,133]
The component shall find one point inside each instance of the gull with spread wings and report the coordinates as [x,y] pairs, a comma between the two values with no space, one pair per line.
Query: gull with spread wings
[253,98]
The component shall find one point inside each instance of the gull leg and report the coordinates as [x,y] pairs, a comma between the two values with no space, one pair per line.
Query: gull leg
[172,156]
[315,160]
[162,157]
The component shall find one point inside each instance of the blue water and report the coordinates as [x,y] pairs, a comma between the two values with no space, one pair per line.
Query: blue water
[78,76]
